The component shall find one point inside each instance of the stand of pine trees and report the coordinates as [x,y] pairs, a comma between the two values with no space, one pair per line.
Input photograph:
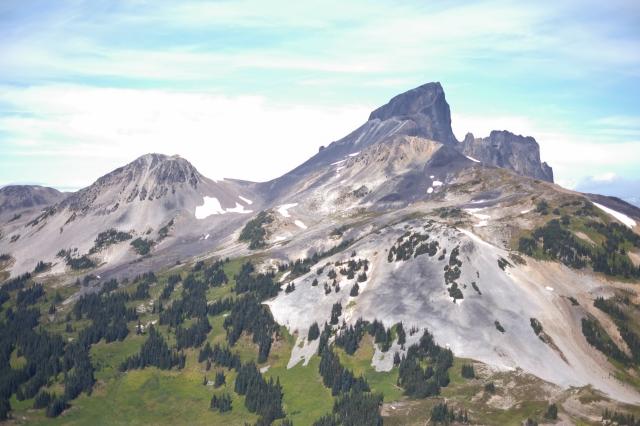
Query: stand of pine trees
[154,352]
[467,371]
[621,419]
[193,336]
[248,314]
[555,241]
[261,397]
[336,377]
[46,354]
[261,285]
[442,414]
[420,382]
[221,403]
[222,357]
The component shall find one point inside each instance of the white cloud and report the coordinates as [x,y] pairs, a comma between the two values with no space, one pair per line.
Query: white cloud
[605,177]
[239,137]
[319,37]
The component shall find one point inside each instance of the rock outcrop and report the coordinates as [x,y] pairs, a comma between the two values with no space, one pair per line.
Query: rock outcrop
[424,111]
[507,150]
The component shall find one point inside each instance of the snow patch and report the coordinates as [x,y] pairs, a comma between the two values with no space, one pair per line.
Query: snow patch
[284,209]
[431,177]
[525,211]
[353,154]
[549,288]
[206,237]
[472,159]
[246,200]
[620,216]
[338,162]
[430,190]
[300,224]
[211,206]
[437,183]
[239,208]
[279,238]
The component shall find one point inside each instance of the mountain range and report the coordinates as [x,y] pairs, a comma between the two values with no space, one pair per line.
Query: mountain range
[459,237]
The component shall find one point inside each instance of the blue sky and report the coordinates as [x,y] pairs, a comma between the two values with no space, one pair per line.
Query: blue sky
[249,89]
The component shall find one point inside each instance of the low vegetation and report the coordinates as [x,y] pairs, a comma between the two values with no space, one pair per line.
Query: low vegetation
[254,231]
[556,241]
[107,238]
[142,246]
[410,245]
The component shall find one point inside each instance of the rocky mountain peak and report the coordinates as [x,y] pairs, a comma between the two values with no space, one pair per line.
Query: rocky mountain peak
[149,177]
[508,150]
[426,110]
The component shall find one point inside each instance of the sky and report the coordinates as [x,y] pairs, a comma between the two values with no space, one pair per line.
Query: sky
[249,89]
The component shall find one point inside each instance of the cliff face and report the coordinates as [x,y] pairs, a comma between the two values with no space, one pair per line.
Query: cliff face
[507,150]
[425,112]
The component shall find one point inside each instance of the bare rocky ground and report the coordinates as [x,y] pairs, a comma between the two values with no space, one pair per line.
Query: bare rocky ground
[414,292]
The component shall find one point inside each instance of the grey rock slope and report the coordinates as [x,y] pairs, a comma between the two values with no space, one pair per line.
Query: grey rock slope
[14,198]
[160,198]
[415,291]
[421,112]
[476,211]
[504,149]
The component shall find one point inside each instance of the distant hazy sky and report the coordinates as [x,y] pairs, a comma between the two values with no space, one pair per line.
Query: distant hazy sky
[249,89]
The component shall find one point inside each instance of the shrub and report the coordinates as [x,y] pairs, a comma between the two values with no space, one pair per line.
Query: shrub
[552,412]
[254,232]
[142,246]
[314,332]
[468,371]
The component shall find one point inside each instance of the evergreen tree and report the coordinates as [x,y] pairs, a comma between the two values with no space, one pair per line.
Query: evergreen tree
[222,403]
[154,352]
[552,412]
[5,409]
[402,336]
[336,311]
[314,332]
[42,399]
[355,290]
[56,407]
[219,379]
[468,372]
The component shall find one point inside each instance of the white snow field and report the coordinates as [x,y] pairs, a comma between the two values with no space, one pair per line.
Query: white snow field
[211,206]
[620,216]
[284,209]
